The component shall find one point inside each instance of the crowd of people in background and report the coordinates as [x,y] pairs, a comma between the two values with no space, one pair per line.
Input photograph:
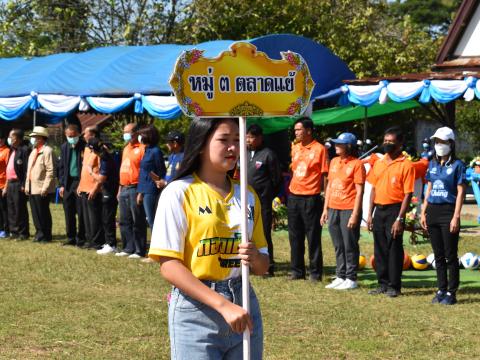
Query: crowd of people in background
[91,184]
[323,190]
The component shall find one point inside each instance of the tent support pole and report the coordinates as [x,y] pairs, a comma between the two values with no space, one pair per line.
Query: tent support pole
[365,124]
[34,118]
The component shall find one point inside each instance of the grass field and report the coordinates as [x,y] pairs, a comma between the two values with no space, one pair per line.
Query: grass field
[62,302]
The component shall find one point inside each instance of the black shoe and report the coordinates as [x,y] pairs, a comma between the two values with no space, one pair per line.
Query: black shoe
[70,242]
[449,299]
[439,296]
[315,279]
[377,291]
[391,292]
[23,237]
[271,270]
[12,236]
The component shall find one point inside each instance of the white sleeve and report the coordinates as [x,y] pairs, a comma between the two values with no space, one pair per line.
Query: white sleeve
[170,225]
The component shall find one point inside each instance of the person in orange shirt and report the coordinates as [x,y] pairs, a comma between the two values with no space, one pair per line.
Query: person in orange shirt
[90,194]
[4,153]
[392,179]
[133,223]
[343,209]
[305,204]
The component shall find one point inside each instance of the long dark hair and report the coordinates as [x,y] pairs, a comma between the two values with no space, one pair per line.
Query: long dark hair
[198,134]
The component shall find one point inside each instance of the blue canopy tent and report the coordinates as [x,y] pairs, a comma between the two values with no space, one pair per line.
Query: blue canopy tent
[111,79]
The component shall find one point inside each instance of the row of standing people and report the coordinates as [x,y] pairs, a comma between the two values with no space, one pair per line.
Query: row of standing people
[392,178]
[90,183]
[134,185]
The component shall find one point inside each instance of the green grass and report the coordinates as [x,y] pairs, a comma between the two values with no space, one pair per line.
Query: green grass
[61,302]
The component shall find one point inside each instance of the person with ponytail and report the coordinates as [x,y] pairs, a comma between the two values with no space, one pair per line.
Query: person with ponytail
[197,240]
[441,213]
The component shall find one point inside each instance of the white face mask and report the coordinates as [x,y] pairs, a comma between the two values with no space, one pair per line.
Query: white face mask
[442,149]
[139,138]
[33,141]
[9,141]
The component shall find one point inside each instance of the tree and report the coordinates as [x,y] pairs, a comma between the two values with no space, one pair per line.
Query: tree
[433,15]
[360,32]
[133,22]
[40,27]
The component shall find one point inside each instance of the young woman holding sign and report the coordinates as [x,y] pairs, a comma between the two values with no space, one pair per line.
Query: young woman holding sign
[197,239]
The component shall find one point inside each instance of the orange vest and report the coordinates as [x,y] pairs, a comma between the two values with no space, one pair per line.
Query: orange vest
[90,160]
[130,167]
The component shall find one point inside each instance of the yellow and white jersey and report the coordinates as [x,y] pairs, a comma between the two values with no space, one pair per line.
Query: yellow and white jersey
[196,225]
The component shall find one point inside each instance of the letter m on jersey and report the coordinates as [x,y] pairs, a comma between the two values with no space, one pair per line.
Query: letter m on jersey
[203,211]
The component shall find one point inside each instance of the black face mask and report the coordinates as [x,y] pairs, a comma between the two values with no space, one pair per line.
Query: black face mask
[389,148]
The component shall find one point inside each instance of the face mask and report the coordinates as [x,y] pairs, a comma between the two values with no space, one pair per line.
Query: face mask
[9,141]
[33,141]
[127,137]
[72,140]
[139,138]
[442,149]
[388,148]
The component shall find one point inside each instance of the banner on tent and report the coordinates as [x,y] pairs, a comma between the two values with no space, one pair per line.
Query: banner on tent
[241,82]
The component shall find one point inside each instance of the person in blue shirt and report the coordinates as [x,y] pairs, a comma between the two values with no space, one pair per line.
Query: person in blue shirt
[108,178]
[441,213]
[175,142]
[152,169]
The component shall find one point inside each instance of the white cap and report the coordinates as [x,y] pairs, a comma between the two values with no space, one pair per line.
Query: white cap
[444,133]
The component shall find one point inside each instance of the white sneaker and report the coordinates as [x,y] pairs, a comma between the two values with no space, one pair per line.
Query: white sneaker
[134,256]
[122,253]
[335,283]
[107,249]
[347,285]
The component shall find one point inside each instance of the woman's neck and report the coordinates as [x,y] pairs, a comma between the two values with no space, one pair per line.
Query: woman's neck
[217,180]
[444,159]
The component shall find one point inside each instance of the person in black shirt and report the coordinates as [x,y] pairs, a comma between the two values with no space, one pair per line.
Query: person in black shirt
[265,177]
[108,178]
[16,175]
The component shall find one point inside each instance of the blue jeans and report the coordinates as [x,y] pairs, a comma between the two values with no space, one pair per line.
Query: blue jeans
[133,226]
[201,333]
[150,206]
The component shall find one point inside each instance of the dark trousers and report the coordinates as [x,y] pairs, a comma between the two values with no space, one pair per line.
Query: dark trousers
[72,206]
[133,224]
[42,218]
[17,209]
[267,228]
[150,206]
[109,212]
[304,220]
[92,215]
[345,242]
[388,250]
[3,214]
[444,245]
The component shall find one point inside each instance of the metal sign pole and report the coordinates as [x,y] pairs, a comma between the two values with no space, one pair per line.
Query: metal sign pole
[244,229]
